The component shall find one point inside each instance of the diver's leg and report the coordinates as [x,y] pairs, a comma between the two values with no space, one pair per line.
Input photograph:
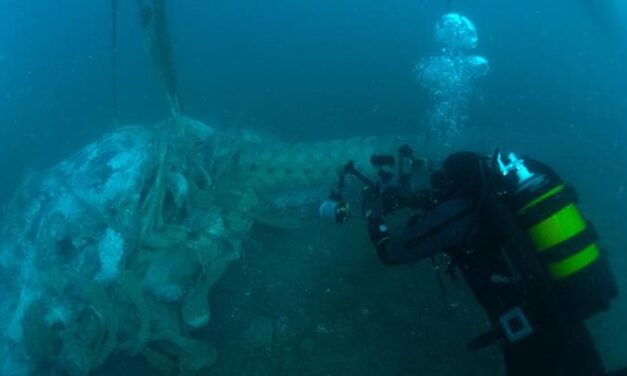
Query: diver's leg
[554,352]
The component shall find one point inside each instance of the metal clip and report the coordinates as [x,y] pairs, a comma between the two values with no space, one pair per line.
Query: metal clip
[515,325]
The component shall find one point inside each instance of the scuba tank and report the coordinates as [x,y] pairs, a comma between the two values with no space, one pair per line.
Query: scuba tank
[565,242]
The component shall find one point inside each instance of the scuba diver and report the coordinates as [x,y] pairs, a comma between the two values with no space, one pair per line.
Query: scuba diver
[512,228]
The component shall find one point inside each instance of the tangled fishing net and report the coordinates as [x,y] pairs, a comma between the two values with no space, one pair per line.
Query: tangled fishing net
[116,249]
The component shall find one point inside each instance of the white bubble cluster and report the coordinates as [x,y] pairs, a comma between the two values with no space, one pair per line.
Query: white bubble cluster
[451,77]
[456,32]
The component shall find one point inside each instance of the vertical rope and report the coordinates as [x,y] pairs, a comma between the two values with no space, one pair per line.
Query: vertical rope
[153,20]
[114,61]
[165,56]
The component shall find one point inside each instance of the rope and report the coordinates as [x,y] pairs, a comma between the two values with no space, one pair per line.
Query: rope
[114,61]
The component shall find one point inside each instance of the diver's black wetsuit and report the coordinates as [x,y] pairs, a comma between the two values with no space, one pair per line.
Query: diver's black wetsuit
[495,257]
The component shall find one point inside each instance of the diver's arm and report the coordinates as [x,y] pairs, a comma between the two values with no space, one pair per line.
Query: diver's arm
[391,250]
[381,238]
[424,199]
[373,209]
[379,232]
[446,227]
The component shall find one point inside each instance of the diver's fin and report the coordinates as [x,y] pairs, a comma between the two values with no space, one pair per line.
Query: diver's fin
[618,372]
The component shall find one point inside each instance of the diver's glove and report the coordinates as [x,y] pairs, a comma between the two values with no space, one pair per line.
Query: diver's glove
[371,203]
[372,209]
[379,232]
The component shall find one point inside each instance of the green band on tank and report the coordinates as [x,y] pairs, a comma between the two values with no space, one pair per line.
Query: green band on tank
[557,228]
[574,263]
[543,197]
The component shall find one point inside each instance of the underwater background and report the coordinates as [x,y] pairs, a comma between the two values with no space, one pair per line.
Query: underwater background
[319,70]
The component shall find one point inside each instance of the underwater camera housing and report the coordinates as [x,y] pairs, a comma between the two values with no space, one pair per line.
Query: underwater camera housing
[392,194]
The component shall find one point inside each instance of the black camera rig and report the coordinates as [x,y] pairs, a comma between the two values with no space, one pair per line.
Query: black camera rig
[391,191]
